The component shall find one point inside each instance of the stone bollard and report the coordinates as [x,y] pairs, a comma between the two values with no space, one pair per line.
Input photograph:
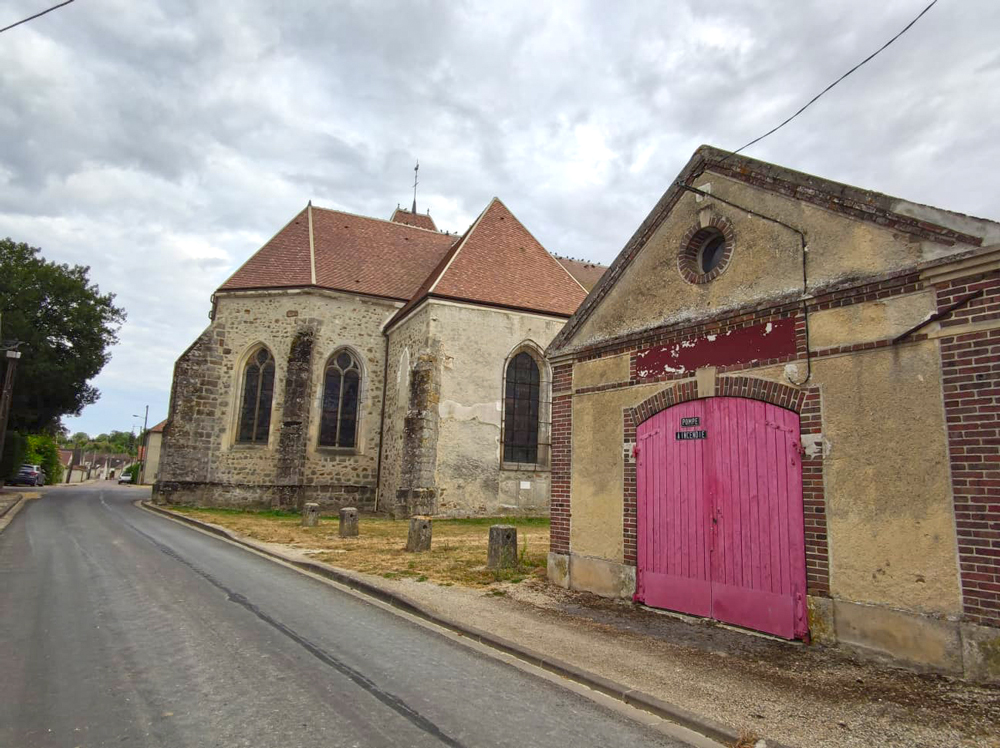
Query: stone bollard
[502,552]
[348,522]
[310,514]
[419,538]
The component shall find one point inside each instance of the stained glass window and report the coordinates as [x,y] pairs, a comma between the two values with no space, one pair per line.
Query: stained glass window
[258,390]
[341,391]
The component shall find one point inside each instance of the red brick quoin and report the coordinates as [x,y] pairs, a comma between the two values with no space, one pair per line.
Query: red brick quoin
[805,402]
[970,363]
[562,445]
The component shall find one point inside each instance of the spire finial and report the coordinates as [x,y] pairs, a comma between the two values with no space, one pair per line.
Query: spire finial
[415,170]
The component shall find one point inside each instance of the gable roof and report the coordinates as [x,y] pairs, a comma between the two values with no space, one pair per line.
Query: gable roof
[331,249]
[586,273]
[947,228]
[420,220]
[498,262]
[158,427]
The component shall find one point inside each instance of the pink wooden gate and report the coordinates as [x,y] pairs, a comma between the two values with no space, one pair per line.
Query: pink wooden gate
[720,525]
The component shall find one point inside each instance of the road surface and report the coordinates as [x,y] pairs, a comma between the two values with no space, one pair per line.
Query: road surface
[120,627]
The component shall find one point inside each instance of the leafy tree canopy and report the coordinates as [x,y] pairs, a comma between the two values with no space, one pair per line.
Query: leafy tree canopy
[66,328]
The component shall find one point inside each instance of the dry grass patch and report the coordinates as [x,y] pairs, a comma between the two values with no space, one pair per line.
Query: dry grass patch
[457,555]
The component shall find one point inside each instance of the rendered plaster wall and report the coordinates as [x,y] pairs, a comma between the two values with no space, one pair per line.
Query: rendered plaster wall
[474,344]
[152,463]
[889,509]
[201,461]
[870,320]
[766,262]
[598,471]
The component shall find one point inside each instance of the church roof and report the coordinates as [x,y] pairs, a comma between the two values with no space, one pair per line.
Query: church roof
[420,220]
[350,253]
[586,273]
[499,263]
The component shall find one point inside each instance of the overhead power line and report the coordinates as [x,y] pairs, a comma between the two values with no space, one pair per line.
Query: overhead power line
[815,98]
[31,18]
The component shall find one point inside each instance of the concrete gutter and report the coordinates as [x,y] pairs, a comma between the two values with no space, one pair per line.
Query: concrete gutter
[638,699]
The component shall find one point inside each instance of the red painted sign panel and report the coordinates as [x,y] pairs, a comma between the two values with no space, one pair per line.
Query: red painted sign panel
[720,519]
[744,345]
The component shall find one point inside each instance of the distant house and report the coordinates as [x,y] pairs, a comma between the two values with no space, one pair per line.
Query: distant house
[150,453]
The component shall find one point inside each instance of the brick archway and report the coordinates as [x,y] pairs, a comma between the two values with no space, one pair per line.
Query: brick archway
[751,388]
[806,402]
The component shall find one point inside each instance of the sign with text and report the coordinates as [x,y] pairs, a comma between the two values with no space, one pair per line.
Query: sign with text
[686,435]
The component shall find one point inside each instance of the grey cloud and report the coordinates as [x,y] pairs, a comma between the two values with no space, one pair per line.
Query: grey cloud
[162,142]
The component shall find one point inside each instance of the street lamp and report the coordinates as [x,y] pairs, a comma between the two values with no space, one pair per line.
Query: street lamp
[142,463]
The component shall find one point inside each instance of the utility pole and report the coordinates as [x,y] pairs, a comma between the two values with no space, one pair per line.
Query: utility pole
[7,393]
[145,438]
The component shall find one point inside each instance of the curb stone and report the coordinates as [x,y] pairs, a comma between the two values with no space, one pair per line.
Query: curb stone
[637,699]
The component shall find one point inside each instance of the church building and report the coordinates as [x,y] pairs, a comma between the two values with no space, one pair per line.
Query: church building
[382,364]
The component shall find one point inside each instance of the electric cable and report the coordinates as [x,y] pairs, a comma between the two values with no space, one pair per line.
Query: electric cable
[31,18]
[815,98]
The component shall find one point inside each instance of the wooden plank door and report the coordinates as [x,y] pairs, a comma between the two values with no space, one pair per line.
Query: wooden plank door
[754,480]
[719,514]
[673,568]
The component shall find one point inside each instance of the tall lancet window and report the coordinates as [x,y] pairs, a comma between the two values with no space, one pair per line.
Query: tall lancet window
[258,391]
[520,412]
[341,392]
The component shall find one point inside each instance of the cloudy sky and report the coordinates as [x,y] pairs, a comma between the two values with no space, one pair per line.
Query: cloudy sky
[161,142]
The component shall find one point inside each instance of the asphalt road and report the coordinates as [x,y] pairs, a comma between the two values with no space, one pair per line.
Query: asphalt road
[120,627]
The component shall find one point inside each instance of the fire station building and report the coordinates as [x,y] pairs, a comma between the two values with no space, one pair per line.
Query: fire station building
[780,408]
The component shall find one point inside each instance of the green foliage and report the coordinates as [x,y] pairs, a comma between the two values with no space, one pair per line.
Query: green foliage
[117,442]
[43,450]
[66,328]
[134,469]
[14,447]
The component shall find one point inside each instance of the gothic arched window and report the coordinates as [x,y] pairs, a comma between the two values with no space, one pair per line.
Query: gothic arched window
[338,426]
[258,389]
[520,410]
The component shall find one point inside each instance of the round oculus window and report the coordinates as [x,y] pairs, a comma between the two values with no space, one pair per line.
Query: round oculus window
[711,252]
[706,251]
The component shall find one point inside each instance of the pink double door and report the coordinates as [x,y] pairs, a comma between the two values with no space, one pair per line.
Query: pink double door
[720,525]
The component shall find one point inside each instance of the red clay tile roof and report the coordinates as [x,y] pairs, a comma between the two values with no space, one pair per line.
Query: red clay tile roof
[421,221]
[158,427]
[499,263]
[586,273]
[353,253]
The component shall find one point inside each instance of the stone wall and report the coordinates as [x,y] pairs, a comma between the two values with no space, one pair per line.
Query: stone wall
[201,463]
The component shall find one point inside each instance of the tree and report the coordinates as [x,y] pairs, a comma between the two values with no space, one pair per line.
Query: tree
[65,327]
[43,450]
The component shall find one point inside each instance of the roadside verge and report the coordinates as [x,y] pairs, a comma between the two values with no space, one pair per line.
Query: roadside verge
[638,699]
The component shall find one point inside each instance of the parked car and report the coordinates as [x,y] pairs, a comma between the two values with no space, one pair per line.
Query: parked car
[124,478]
[29,475]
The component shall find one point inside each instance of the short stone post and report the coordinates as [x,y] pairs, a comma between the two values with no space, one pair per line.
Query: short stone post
[419,538]
[348,522]
[502,551]
[310,514]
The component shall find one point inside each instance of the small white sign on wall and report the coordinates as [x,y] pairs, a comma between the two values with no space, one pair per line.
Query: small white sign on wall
[525,484]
